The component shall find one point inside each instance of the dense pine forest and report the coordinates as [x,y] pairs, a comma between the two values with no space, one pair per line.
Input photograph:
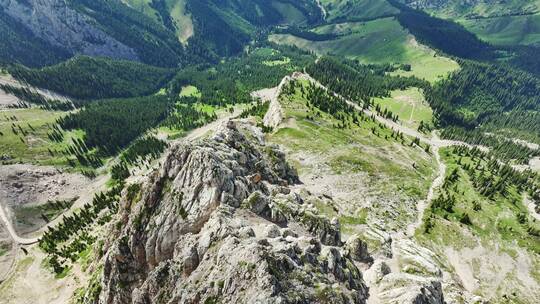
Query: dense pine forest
[113,123]
[479,93]
[359,82]
[96,78]
[232,81]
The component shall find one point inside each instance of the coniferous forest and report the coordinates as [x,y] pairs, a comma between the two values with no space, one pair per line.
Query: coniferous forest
[87,78]
[113,123]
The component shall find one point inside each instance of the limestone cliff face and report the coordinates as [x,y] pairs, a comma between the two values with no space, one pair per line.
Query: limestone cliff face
[55,22]
[219,224]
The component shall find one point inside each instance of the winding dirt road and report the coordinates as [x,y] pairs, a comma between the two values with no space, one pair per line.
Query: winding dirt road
[11,230]
[85,195]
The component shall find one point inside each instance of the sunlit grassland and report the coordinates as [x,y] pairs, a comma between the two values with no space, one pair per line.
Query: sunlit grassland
[190,91]
[181,19]
[284,60]
[409,105]
[35,145]
[378,41]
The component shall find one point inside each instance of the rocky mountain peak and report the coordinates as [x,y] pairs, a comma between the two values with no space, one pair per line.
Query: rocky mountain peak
[219,222]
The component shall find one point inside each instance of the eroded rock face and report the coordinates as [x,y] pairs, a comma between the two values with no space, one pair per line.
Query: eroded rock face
[55,22]
[218,223]
[402,288]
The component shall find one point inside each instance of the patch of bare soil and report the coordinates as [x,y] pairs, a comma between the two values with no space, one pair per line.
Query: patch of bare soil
[494,273]
[26,189]
[8,80]
[7,100]
[534,164]
[31,282]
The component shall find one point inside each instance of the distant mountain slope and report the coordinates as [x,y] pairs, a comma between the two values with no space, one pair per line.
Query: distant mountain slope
[477,8]
[499,22]
[163,33]
[355,10]
[21,45]
[506,30]
[95,28]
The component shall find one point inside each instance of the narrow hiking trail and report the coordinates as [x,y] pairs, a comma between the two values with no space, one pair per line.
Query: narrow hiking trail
[423,204]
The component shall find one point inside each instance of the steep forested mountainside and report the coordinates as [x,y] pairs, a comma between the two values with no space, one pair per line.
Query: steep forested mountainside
[175,33]
[63,27]
[498,22]
[20,44]
[269,151]
[76,77]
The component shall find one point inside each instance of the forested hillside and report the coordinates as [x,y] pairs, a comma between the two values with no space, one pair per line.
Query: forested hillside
[359,82]
[158,33]
[480,91]
[489,105]
[95,78]
[112,124]
[444,35]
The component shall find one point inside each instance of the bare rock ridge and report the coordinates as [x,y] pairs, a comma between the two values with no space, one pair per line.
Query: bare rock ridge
[218,223]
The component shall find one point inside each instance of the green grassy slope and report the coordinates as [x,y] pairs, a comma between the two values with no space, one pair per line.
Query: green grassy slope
[378,41]
[347,10]
[24,136]
[409,105]
[506,30]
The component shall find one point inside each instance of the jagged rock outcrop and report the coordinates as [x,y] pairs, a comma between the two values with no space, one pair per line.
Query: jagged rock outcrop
[219,224]
[55,22]
[416,278]
[403,288]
